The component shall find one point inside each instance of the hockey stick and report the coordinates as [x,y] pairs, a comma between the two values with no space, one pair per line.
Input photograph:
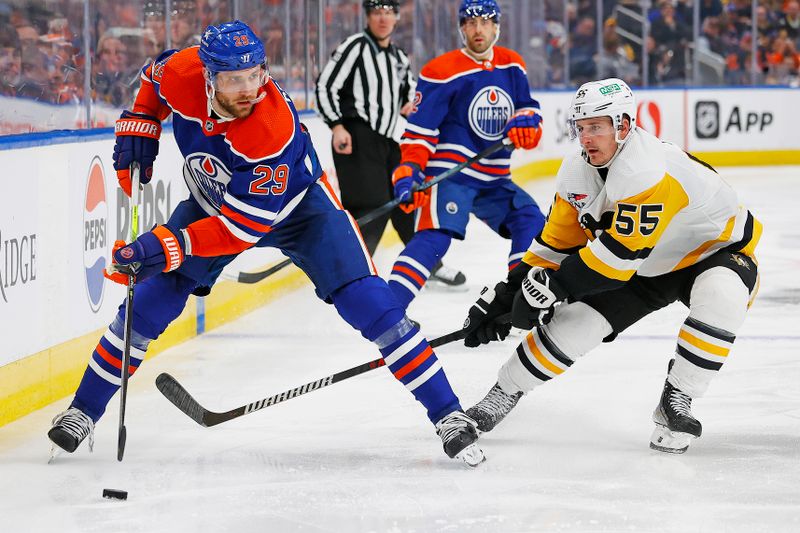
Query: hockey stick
[255,277]
[175,393]
[122,434]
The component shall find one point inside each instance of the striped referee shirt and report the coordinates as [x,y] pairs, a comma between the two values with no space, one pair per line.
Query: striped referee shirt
[363,80]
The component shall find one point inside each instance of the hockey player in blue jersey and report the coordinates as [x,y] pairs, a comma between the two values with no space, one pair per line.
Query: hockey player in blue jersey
[466,99]
[254,180]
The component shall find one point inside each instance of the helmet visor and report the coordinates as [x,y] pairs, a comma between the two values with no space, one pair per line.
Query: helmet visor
[590,127]
[240,81]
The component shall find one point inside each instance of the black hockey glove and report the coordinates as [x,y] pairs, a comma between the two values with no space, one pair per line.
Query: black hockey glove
[535,302]
[482,325]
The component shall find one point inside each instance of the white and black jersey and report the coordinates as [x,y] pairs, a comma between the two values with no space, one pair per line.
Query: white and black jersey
[363,80]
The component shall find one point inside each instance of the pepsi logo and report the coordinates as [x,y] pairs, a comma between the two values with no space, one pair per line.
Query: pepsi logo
[95,230]
[489,111]
[648,117]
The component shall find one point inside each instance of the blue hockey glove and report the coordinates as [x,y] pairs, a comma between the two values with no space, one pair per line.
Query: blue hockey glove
[137,141]
[524,129]
[153,252]
[535,302]
[404,178]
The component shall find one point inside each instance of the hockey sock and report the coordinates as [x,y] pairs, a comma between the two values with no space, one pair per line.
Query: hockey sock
[523,225]
[369,306]
[103,376]
[414,364]
[157,302]
[413,268]
[717,309]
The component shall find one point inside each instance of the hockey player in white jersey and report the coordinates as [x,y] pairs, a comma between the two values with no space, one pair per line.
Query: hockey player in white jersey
[636,224]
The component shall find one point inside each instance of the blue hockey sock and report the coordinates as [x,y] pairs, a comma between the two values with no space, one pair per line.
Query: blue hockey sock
[157,302]
[414,364]
[523,225]
[103,376]
[369,306]
[413,268]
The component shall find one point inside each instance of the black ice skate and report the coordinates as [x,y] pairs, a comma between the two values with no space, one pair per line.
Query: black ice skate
[493,408]
[69,429]
[459,438]
[447,278]
[675,425]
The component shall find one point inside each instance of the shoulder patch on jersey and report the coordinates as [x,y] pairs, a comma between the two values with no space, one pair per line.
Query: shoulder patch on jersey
[183,85]
[268,130]
[447,66]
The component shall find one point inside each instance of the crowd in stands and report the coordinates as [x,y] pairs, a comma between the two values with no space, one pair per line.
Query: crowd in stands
[43,55]
[725,33]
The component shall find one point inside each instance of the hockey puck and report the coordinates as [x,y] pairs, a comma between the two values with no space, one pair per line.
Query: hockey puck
[114,494]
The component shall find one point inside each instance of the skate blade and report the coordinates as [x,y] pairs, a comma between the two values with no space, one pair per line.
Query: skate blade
[55,453]
[471,456]
[665,440]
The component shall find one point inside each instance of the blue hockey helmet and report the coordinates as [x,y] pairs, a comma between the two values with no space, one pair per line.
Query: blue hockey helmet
[231,46]
[488,9]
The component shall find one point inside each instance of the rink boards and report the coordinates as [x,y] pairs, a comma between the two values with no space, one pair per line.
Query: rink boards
[60,212]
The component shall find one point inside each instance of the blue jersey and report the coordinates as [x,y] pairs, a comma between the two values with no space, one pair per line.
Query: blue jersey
[463,106]
[247,174]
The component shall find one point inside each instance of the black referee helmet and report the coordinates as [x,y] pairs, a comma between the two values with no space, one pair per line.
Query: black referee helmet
[381,4]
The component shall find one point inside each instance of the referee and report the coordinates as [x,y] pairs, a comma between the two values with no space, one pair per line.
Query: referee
[361,93]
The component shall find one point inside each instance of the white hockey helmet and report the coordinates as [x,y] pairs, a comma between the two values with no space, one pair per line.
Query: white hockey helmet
[610,97]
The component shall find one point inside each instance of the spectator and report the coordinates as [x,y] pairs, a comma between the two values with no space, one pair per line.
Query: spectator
[710,40]
[10,61]
[710,8]
[615,62]
[672,36]
[583,49]
[183,24]
[790,21]
[111,69]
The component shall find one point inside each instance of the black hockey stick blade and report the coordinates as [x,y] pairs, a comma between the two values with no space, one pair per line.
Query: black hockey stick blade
[255,277]
[180,398]
[121,438]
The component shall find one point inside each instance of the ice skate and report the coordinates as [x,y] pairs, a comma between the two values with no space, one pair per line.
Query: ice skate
[675,425]
[70,428]
[459,438]
[494,407]
[446,278]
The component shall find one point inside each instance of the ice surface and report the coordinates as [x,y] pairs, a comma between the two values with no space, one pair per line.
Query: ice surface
[361,456]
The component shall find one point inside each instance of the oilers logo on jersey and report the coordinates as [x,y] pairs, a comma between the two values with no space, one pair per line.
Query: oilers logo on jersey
[206,175]
[489,112]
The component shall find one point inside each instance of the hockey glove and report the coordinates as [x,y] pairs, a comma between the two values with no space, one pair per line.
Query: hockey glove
[153,252]
[137,141]
[524,129]
[481,325]
[535,302]
[405,179]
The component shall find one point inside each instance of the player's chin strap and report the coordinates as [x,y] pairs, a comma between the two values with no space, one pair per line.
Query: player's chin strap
[620,145]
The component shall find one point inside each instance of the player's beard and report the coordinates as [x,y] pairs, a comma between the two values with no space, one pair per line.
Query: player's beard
[230,105]
[482,47]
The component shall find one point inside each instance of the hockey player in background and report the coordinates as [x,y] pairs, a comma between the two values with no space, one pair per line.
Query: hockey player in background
[467,100]
[636,224]
[254,180]
[363,111]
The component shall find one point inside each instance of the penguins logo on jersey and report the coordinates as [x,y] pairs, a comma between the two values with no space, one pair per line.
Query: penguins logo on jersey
[209,177]
[489,112]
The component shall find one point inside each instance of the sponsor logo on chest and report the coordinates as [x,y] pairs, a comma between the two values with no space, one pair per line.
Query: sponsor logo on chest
[489,111]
